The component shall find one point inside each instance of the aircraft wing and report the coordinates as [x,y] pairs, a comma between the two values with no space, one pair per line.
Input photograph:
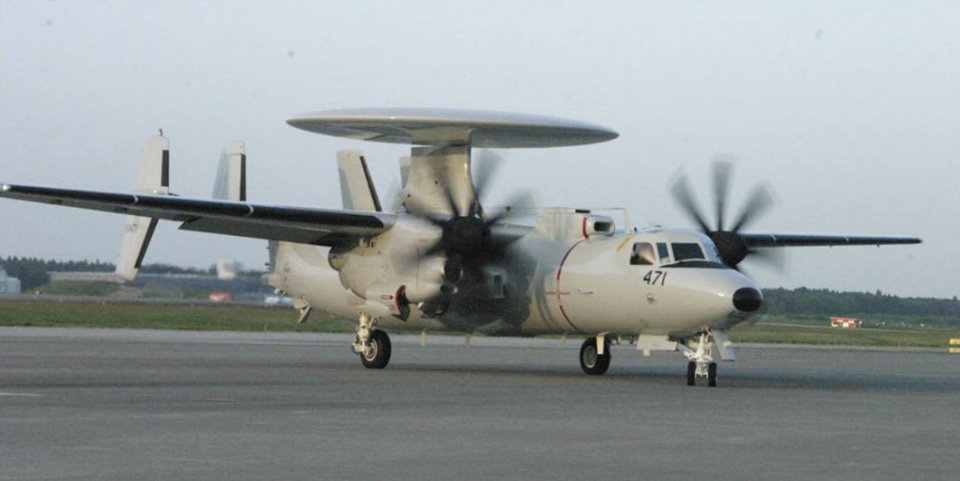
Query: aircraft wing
[801,240]
[293,224]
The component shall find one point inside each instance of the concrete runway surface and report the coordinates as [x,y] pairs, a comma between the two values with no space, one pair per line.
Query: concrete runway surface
[117,404]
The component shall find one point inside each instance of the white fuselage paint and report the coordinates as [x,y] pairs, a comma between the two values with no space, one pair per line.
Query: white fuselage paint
[558,282]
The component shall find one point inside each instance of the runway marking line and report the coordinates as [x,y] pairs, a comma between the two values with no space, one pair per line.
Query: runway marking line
[19,394]
[221,400]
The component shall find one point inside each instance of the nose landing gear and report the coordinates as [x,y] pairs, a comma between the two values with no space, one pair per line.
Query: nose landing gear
[701,365]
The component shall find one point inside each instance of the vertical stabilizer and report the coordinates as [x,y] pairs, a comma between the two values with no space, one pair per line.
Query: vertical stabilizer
[231,182]
[404,171]
[356,185]
[154,179]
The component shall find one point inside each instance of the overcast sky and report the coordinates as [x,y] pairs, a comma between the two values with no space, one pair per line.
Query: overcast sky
[849,111]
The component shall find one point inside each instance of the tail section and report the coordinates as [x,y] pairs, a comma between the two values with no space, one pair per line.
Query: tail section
[356,185]
[231,182]
[155,180]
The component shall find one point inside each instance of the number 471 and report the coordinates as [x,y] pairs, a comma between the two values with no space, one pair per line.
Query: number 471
[655,277]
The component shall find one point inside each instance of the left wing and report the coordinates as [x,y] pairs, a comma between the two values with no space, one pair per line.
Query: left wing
[293,224]
[801,240]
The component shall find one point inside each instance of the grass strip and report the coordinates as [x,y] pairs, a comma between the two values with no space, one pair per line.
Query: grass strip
[192,317]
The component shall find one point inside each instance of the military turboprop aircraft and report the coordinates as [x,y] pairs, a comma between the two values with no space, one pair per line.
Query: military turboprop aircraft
[441,261]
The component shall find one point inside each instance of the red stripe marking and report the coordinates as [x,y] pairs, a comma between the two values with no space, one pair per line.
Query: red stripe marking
[562,261]
[397,297]
[559,291]
[583,228]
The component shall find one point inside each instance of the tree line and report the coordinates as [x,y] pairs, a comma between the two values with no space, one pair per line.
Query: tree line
[826,303]
[34,272]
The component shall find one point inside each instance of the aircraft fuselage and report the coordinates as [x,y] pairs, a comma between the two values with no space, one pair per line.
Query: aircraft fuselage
[555,280]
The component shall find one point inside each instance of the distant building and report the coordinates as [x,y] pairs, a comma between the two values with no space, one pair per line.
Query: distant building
[845,322]
[227,270]
[8,285]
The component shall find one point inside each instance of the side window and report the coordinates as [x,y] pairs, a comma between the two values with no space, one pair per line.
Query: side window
[642,254]
[664,253]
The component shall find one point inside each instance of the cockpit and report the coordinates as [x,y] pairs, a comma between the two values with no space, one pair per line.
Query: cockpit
[686,250]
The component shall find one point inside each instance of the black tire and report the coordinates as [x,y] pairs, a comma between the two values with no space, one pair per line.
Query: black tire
[379,354]
[712,374]
[691,373]
[591,362]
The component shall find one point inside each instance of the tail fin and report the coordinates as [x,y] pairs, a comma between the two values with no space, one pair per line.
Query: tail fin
[154,179]
[356,185]
[231,182]
[404,171]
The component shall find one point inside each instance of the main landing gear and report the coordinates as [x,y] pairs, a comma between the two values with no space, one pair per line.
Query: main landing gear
[373,345]
[594,355]
[701,365]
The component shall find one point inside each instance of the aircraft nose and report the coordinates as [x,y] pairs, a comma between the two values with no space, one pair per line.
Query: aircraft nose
[747,299]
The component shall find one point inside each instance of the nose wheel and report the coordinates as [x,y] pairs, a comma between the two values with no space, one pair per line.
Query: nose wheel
[711,374]
[701,365]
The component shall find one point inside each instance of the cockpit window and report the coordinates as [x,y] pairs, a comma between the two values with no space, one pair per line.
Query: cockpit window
[687,250]
[713,254]
[663,252]
[642,254]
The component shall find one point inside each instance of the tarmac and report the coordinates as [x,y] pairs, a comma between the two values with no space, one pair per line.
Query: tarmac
[79,404]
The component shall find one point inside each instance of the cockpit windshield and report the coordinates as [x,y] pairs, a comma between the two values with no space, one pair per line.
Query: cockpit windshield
[676,254]
[683,251]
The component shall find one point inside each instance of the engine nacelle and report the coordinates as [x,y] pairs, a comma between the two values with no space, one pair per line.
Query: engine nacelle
[387,300]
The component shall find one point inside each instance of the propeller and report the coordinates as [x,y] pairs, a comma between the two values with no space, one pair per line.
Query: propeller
[732,247]
[467,233]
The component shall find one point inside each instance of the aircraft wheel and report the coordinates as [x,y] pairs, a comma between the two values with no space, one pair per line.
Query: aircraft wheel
[591,362]
[712,374]
[691,373]
[378,355]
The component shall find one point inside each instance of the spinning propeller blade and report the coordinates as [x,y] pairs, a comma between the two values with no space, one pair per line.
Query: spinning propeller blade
[730,244]
[467,234]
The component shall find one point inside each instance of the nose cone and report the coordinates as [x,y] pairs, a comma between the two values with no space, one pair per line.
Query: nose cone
[747,299]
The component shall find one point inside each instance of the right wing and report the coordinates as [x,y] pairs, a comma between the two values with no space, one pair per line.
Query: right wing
[813,240]
[293,224]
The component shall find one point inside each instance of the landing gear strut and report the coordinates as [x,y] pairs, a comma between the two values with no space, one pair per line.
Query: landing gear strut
[373,345]
[591,360]
[701,365]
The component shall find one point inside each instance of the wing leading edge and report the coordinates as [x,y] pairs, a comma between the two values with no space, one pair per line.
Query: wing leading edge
[806,240]
[293,224]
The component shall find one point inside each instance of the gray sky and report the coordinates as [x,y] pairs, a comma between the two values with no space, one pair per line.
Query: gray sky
[849,111]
